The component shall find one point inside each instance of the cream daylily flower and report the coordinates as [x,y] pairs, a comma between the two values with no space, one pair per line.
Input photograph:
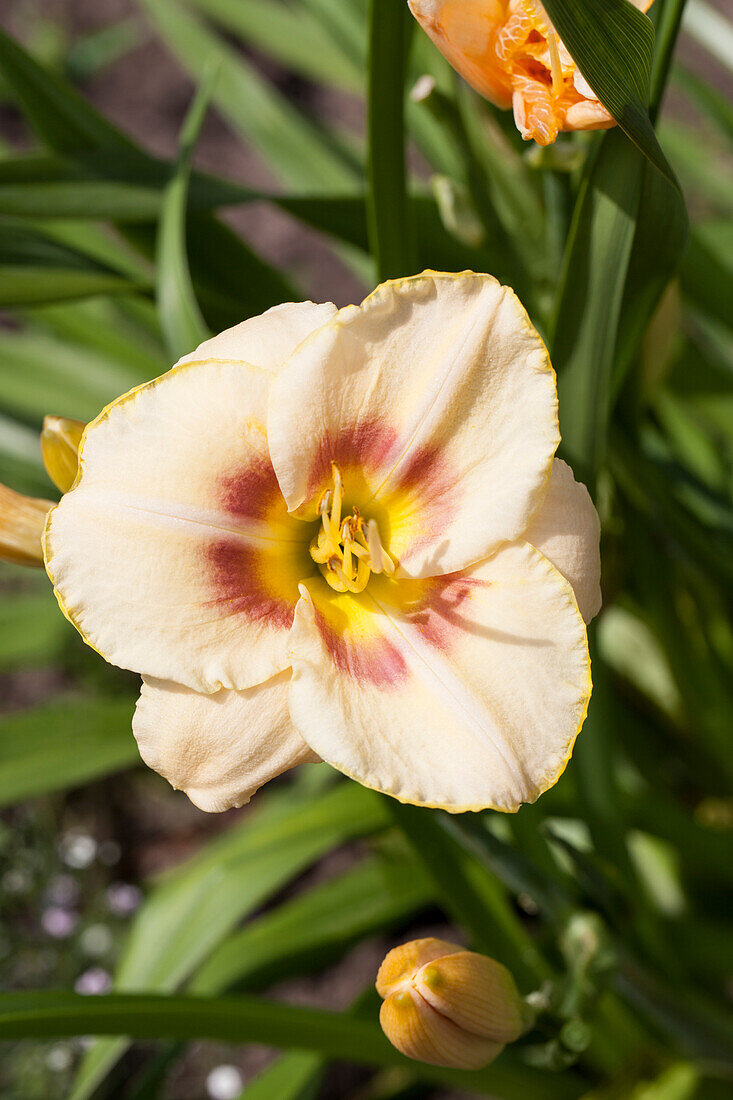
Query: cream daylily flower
[343,535]
[509,51]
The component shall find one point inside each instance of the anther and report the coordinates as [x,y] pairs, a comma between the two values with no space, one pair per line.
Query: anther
[347,551]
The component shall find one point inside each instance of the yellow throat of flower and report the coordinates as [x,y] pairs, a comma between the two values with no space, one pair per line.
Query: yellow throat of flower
[347,549]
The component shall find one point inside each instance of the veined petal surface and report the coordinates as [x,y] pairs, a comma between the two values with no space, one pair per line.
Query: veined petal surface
[437,401]
[218,748]
[174,554]
[464,692]
[566,529]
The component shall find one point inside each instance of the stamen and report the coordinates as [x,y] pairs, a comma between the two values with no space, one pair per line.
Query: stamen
[348,551]
[338,495]
[553,43]
[381,561]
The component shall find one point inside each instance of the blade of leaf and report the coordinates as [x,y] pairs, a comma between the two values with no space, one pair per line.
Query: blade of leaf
[591,297]
[239,283]
[28,286]
[291,1077]
[711,29]
[300,153]
[372,896]
[612,43]
[251,1020]
[63,745]
[191,910]
[45,375]
[289,35]
[390,30]
[183,325]
[32,632]
[470,895]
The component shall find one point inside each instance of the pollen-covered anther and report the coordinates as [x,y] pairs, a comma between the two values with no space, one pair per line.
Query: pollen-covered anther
[347,551]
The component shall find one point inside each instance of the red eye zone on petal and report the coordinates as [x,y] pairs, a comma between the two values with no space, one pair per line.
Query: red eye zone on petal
[252,491]
[244,577]
[437,607]
[367,660]
[257,567]
[366,448]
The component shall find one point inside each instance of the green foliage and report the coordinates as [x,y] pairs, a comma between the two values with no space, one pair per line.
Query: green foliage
[611,896]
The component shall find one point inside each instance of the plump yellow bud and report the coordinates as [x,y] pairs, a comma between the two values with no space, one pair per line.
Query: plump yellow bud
[22,520]
[60,441]
[447,1006]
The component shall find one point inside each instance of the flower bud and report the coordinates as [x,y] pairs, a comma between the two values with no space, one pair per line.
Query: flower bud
[447,1006]
[22,520]
[60,441]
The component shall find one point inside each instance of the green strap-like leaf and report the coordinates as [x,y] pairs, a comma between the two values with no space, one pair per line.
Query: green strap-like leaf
[197,905]
[374,895]
[28,286]
[292,1077]
[299,151]
[180,317]
[471,896]
[389,229]
[63,745]
[251,1020]
[629,229]
[612,43]
[231,281]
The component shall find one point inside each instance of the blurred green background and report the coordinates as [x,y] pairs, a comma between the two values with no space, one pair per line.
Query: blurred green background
[613,894]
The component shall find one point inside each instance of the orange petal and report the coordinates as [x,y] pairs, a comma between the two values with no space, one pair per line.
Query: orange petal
[421,1033]
[477,993]
[402,962]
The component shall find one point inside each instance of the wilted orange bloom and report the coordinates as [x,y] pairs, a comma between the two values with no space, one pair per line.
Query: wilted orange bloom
[509,51]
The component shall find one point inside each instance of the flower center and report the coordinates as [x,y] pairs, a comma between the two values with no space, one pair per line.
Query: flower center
[347,550]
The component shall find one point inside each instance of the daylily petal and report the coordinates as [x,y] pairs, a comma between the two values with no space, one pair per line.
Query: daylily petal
[566,529]
[437,400]
[268,340]
[174,555]
[589,114]
[219,748]
[464,692]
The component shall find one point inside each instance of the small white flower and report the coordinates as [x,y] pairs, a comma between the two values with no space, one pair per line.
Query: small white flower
[224,1083]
